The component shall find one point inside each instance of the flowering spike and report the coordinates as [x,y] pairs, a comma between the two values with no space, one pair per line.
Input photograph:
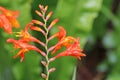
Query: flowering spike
[49,15]
[71,44]
[53,23]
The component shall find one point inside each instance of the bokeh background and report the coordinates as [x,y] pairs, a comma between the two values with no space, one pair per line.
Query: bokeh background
[96,22]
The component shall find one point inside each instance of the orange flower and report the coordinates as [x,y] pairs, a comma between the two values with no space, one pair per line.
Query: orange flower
[26,37]
[11,16]
[24,48]
[60,35]
[4,23]
[68,41]
[73,50]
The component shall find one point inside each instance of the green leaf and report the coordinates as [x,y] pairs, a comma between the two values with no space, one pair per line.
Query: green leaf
[74,74]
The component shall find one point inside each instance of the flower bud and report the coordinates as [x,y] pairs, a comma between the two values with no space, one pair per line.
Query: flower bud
[52,70]
[43,75]
[49,15]
[44,63]
[39,13]
[52,59]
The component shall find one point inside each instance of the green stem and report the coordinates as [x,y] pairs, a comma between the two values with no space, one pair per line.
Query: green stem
[46,48]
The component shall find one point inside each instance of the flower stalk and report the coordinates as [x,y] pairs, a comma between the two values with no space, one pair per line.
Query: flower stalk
[70,43]
[46,47]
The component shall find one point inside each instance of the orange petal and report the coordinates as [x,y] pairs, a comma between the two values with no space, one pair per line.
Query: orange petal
[14,22]
[5,24]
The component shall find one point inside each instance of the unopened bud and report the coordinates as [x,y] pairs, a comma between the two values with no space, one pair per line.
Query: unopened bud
[41,7]
[53,23]
[49,15]
[51,70]
[39,13]
[38,22]
[43,75]
[46,7]
[51,48]
[51,59]
[44,63]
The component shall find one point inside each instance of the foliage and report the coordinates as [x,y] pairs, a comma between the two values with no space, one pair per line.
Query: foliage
[87,19]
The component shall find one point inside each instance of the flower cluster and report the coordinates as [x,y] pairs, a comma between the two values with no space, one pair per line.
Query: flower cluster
[8,19]
[71,44]
[23,43]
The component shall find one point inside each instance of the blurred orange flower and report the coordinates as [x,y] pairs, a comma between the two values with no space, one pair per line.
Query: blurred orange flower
[8,17]
[4,23]
[73,50]
[26,37]
[66,42]
[60,35]
[24,48]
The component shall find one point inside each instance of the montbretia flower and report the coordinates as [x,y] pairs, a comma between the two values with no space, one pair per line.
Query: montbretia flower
[66,42]
[25,47]
[11,16]
[71,44]
[4,23]
[26,37]
[60,35]
[73,50]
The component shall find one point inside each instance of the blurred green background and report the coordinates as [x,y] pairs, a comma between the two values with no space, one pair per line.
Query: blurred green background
[96,22]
